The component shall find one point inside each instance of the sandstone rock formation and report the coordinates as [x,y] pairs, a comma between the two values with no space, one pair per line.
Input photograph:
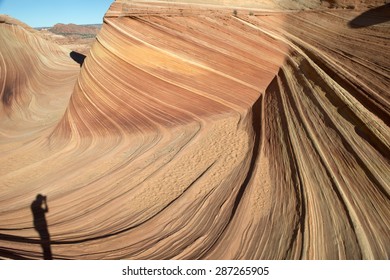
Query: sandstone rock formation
[194,132]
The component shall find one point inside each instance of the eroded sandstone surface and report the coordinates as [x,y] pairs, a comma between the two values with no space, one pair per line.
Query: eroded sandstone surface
[198,131]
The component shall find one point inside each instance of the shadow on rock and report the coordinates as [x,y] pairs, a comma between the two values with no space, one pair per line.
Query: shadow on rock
[78,57]
[371,17]
[39,209]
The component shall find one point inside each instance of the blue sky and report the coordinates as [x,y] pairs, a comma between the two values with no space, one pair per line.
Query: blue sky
[42,13]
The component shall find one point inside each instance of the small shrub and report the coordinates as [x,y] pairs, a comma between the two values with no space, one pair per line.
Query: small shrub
[251,13]
[235,13]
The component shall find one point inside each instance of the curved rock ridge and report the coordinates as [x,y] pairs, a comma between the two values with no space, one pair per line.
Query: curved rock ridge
[197,133]
[247,4]
[326,135]
[36,80]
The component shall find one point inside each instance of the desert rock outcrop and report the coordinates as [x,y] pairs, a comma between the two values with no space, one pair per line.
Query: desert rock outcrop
[200,132]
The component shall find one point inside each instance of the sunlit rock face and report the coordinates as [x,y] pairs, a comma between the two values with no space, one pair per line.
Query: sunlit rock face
[196,131]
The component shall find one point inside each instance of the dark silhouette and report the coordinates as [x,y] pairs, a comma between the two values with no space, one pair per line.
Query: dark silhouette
[7,96]
[78,57]
[371,17]
[39,208]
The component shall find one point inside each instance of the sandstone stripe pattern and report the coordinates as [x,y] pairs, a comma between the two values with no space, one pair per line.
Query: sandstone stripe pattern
[192,132]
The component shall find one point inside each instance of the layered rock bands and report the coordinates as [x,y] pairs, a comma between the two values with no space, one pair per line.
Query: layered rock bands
[199,132]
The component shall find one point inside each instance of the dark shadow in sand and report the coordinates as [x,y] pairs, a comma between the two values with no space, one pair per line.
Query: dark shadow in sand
[78,57]
[39,208]
[371,17]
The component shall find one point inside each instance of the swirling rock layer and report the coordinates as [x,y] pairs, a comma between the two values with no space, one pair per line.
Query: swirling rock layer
[192,133]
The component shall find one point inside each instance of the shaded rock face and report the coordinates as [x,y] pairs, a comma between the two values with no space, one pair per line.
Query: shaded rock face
[193,133]
[354,4]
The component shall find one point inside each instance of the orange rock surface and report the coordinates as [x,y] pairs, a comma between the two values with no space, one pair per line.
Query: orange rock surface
[195,132]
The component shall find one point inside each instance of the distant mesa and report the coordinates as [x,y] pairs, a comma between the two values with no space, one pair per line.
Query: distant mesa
[74,29]
[78,38]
